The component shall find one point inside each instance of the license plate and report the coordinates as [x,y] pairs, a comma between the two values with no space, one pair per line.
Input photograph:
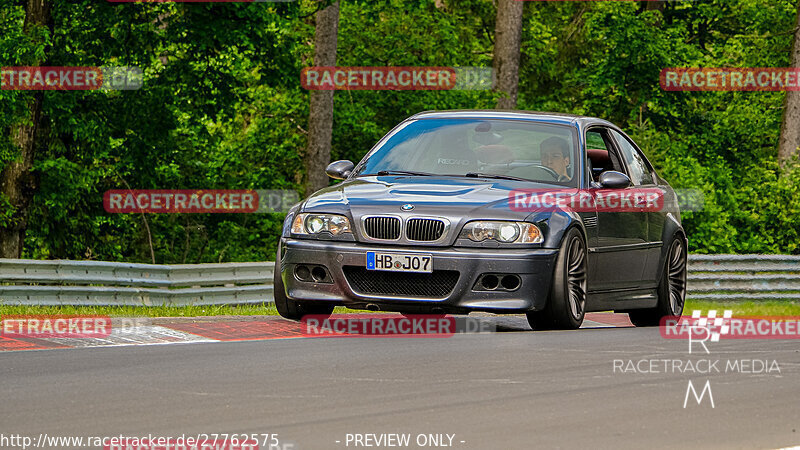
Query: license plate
[399,262]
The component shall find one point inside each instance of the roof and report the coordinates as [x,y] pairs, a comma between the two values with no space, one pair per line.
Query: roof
[537,116]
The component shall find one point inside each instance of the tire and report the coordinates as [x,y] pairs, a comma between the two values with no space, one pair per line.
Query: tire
[566,304]
[288,308]
[671,288]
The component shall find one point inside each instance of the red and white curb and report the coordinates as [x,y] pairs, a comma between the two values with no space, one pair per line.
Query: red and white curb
[167,330]
[139,335]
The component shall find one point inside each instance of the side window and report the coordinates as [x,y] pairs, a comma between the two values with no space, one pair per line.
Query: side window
[640,171]
[595,140]
[600,153]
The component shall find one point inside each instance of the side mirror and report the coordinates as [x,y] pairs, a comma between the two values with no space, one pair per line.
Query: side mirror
[614,180]
[339,170]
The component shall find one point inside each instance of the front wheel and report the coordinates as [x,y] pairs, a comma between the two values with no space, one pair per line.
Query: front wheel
[671,288]
[566,304]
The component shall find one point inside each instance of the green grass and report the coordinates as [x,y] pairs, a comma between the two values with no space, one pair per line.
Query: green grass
[769,308]
[772,308]
[144,311]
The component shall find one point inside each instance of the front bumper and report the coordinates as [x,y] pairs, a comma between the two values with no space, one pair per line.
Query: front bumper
[533,266]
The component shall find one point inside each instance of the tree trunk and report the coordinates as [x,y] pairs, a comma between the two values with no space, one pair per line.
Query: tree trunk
[790,128]
[508,34]
[652,6]
[17,183]
[320,118]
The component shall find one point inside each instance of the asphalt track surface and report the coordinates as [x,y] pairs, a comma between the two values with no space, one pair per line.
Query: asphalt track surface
[511,389]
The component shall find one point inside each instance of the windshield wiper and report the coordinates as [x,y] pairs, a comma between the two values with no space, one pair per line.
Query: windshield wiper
[402,172]
[491,175]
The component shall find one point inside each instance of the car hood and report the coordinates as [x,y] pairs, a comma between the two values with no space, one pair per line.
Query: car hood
[452,197]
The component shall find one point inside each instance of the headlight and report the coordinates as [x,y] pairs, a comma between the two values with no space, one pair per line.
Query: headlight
[505,232]
[317,223]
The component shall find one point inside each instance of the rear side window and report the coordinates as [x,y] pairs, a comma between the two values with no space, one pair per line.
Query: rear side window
[595,140]
[639,170]
[598,142]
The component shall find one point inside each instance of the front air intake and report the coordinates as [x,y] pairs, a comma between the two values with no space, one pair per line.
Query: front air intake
[438,284]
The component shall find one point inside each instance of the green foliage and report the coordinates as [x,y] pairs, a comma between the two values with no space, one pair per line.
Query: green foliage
[604,59]
[222,107]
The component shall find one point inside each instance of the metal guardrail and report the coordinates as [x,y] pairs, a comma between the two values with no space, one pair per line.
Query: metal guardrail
[64,282]
[744,277]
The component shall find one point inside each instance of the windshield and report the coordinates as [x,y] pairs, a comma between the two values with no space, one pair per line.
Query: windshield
[478,147]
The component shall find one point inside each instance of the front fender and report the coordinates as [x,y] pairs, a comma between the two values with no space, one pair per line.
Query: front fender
[555,224]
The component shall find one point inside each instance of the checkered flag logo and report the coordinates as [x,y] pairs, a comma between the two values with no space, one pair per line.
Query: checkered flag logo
[716,326]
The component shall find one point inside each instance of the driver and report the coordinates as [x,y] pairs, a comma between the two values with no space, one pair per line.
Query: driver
[554,153]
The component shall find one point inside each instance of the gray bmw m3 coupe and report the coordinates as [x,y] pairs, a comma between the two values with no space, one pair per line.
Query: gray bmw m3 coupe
[550,215]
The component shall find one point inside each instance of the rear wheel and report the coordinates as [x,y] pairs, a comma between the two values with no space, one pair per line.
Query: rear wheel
[288,308]
[671,288]
[566,303]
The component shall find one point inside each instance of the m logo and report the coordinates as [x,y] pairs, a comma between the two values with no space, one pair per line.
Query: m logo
[691,389]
